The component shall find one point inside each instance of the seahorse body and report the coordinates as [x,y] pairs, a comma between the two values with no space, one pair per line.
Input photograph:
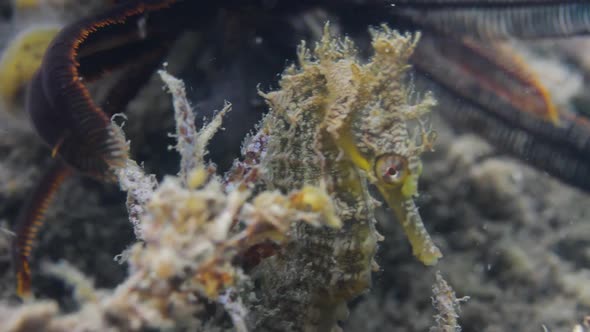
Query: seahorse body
[344,125]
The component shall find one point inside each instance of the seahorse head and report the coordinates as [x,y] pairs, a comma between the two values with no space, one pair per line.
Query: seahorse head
[379,124]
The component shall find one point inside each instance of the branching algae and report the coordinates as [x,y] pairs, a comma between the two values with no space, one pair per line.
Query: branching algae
[343,125]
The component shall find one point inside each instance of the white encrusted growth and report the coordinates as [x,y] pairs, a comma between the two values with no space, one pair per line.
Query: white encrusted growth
[84,290]
[186,132]
[207,132]
[235,308]
[140,188]
[191,145]
[447,304]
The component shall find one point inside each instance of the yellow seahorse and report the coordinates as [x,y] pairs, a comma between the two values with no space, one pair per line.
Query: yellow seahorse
[341,125]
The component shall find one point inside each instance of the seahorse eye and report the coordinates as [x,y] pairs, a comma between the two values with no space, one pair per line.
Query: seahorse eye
[391,168]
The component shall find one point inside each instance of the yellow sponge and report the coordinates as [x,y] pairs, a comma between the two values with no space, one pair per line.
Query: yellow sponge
[20,59]
[25,4]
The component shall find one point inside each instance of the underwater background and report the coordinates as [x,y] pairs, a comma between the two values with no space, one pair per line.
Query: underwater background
[512,225]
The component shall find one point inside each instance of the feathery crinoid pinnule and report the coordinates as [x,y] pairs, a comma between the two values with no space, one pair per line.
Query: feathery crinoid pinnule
[345,125]
[30,222]
[61,107]
[485,87]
